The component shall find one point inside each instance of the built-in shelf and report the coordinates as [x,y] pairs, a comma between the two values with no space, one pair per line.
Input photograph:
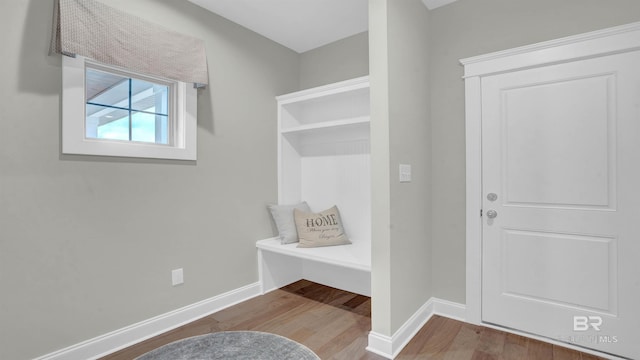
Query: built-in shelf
[324,159]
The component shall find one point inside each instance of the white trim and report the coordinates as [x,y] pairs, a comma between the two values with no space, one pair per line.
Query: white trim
[597,43]
[380,345]
[390,347]
[433,4]
[473,125]
[108,343]
[325,90]
[449,309]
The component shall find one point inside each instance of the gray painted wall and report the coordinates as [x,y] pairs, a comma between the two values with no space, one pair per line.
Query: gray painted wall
[341,60]
[410,142]
[401,270]
[474,27]
[87,244]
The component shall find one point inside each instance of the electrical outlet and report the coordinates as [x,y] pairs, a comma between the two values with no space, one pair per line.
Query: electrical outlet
[177,277]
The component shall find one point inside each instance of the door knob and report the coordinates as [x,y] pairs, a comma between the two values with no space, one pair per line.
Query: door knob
[491,214]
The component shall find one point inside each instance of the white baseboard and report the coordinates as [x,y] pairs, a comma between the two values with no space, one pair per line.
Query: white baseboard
[390,346]
[122,338]
[449,309]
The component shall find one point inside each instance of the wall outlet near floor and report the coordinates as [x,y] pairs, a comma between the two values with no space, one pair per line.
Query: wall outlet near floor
[177,277]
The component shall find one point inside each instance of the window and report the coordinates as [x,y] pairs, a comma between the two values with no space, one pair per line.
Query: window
[114,112]
[124,108]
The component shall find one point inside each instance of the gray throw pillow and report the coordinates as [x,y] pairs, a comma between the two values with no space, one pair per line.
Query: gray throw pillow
[283,217]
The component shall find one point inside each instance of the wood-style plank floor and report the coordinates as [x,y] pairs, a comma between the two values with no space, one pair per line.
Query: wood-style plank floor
[335,325]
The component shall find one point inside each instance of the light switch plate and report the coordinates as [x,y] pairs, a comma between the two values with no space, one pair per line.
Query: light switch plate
[405,173]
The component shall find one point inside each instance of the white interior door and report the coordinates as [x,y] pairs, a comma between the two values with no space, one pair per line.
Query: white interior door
[561,244]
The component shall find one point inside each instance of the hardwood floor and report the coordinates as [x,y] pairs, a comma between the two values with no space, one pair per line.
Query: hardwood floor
[335,325]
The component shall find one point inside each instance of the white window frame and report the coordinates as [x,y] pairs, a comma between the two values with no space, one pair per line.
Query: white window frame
[182,146]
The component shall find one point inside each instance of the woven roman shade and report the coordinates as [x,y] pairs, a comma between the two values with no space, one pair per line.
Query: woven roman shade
[94,30]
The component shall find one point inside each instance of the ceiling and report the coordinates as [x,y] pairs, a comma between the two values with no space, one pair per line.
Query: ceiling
[300,25]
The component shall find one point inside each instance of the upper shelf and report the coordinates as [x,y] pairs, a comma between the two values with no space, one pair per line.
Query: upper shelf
[339,137]
[334,125]
[332,105]
[327,120]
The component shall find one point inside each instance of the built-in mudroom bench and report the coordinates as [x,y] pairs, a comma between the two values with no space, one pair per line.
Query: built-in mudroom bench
[324,160]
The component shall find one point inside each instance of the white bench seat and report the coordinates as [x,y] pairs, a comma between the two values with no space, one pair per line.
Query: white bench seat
[346,267]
